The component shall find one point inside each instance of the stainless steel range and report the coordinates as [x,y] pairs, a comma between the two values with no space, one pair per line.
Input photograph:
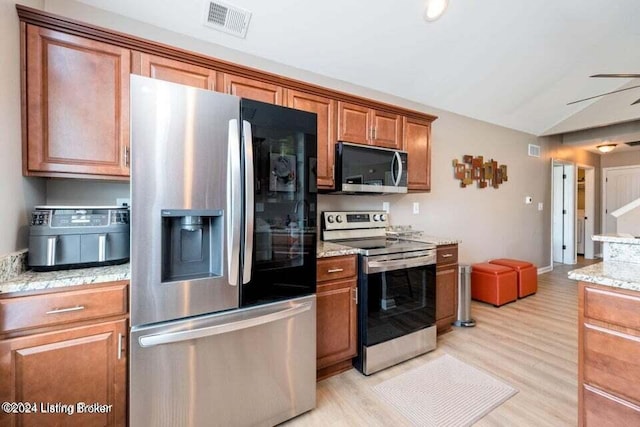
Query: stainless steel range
[396,289]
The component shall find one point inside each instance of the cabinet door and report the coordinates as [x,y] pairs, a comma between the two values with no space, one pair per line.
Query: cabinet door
[354,123]
[387,130]
[77,97]
[252,89]
[83,364]
[336,322]
[446,296]
[417,144]
[325,108]
[173,71]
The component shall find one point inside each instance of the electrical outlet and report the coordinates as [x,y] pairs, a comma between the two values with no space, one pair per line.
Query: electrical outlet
[540,206]
[123,202]
[416,208]
[385,206]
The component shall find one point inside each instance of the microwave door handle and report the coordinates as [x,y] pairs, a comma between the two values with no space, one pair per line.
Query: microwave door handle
[247,138]
[398,161]
[234,206]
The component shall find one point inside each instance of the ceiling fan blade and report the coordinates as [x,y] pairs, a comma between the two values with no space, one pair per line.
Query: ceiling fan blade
[623,76]
[637,101]
[603,94]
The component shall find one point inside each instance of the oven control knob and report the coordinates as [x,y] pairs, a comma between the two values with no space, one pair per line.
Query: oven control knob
[376,217]
[383,217]
[338,218]
[330,219]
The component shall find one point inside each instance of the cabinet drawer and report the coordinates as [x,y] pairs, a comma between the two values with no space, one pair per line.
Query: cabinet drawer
[602,409]
[336,268]
[612,307]
[612,361]
[447,255]
[63,307]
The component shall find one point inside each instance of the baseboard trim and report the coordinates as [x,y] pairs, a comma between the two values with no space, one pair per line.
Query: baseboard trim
[542,270]
[599,255]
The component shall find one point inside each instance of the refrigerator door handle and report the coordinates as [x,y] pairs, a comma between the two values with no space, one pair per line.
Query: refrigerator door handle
[234,203]
[208,331]
[248,195]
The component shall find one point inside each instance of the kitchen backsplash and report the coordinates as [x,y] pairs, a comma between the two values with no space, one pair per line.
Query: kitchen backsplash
[13,265]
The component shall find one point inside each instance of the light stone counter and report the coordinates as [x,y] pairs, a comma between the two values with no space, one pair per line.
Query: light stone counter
[438,241]
[619,247]
[33,281]
[617,238]
[329,249]
[623,275]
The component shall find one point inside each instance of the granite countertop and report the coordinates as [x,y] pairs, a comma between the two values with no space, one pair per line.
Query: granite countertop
[329,249]
[616,274]
[617,238]
[438,241]
[34,281]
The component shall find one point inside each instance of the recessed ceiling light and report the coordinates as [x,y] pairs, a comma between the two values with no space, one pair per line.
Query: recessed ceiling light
[605,148]
[434,9]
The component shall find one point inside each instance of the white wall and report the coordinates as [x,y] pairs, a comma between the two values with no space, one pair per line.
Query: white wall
[18,195]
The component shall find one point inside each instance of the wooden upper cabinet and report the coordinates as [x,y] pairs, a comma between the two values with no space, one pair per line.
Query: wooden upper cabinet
[76,106]
[417,144]
[354,123]
[387,130]
[252,89]
[362,125]
[173,71]
[325,109]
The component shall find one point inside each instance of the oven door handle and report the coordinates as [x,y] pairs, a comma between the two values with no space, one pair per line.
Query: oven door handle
[372,267]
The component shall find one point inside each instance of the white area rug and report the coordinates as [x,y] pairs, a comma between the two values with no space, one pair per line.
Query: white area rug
[444,392]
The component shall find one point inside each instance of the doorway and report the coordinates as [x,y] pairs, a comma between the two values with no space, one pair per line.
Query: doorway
[621,185]
[563,224]
[585,213]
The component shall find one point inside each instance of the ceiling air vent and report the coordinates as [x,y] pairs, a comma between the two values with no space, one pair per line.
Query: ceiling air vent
[226,18]
[633,143]
[534,150]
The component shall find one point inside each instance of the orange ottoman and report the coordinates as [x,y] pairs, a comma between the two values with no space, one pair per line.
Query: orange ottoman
[493,283]
[527,275]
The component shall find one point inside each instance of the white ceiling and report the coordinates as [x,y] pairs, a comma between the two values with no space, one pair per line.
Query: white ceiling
[513,63]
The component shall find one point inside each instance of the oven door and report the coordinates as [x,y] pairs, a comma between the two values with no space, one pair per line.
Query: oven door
[397,297]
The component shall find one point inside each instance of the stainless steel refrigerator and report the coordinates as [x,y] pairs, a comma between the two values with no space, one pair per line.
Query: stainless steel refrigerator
[223,259]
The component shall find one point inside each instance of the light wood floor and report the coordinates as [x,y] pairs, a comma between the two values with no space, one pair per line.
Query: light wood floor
[530,344]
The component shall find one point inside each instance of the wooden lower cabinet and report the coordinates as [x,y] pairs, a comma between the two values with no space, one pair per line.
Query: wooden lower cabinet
[73,367]
[608,356]
[446,287]
[66,353]
[336,326]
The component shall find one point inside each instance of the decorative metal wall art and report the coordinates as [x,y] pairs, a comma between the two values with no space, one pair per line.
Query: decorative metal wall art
[476,169]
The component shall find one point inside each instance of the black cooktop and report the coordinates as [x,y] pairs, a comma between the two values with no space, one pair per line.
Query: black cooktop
[381,245]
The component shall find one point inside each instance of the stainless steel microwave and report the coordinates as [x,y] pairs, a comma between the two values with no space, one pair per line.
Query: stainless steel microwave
[367,169]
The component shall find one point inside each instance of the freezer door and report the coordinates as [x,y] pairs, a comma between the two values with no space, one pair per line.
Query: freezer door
[248,367]
[186,201]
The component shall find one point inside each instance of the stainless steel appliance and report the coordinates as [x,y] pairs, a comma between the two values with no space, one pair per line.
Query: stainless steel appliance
[223,324]
[396,289]
[78,236]
[366,169]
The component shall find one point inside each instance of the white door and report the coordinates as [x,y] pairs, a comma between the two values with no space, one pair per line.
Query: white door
[622,186]
[564,209]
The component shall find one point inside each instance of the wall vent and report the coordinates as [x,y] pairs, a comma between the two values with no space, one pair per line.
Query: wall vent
[534,150]
[633,143]
[226,18]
